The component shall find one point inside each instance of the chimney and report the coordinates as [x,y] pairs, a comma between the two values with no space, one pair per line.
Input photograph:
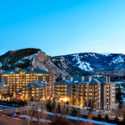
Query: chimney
[90,78]
[107,79]
[1,71]
[63,78]
[71,79]
[82,78]
[50,70]
[32,69]
[16,69]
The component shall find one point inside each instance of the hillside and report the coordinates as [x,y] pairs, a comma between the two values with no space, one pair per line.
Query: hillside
[25,58]
[73,64]
[94,62]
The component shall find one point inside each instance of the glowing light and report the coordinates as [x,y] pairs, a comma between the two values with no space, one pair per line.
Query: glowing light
[65,99]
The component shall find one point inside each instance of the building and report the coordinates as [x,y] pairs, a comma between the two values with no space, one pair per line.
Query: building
[37,91]
[16,79]
[3,90]
[62,91]
[109,96]
[86,92]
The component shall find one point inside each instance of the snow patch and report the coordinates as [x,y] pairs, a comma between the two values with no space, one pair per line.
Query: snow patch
[81,64]
[31,57]
[105,54]
[117,60]
[0,64]
[85,66]
[93,54]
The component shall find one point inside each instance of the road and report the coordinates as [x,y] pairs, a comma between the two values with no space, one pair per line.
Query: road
[5,120]
[13,110]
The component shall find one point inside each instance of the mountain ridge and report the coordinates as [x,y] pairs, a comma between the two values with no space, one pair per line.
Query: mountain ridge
[25,58]
[64,65]
[95,62]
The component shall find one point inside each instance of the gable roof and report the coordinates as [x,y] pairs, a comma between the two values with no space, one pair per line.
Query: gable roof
[25,70]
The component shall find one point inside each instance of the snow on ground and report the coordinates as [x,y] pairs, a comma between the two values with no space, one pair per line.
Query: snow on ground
[21,61]
[31,57]
[68,117]
[82,64]
[0,64]
[117,60]
[80,119]
[34,119]
[94,55]
[105,54]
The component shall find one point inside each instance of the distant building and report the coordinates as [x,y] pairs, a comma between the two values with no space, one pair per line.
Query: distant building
[86,92]
[17,78]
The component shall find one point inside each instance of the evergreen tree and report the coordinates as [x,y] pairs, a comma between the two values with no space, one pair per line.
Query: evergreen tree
[118,96]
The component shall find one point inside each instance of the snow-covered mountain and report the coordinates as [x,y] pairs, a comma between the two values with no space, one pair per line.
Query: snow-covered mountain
[95,62]
[26,58]
[73,64]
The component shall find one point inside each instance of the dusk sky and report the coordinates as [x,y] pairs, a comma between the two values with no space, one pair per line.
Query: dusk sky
[61,27]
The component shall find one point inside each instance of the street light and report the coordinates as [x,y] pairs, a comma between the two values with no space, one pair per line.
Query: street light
[39,110]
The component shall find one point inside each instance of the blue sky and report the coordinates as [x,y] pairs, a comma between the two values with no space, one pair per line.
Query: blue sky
[61,27]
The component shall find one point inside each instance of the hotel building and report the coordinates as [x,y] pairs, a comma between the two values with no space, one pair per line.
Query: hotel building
[18,78]
[86,92]
[3,90]
[37,91]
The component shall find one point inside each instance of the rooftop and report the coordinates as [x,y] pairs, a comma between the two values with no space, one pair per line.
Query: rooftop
[83,79]
[36,85]
[25,70]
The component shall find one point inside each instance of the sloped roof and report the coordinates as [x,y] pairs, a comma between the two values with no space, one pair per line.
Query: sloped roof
[25,70]
[2,84]
[35,85]
[78,80]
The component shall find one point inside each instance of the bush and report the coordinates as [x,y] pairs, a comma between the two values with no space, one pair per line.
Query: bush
[74,112]
[49,106]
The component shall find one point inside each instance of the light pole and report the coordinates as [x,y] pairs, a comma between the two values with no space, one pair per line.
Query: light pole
[27,117]
[39,110]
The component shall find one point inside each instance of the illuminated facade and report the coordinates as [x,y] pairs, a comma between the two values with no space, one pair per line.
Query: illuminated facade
[3,90]
[62,91]
[86,92]
[16,79]
[37,91]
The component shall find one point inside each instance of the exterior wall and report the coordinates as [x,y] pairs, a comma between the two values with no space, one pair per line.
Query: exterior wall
[112,96]
[85,95]
[16,81]
[108,96]
[37,93]
[101,96]
[62,93]
[3,90]
[79,94]
[32,94]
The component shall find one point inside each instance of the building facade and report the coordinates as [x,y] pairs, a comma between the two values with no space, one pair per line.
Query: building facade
[86,92]
[62,91]
[37,91]
[3,90]
[16,79]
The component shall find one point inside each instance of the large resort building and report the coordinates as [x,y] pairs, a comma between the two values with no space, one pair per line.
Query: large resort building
[37,91]
[3,90]
[18,78]
[37,85]
[86,92]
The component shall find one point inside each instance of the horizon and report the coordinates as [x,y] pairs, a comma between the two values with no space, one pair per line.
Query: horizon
[63,27]
[62,54]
